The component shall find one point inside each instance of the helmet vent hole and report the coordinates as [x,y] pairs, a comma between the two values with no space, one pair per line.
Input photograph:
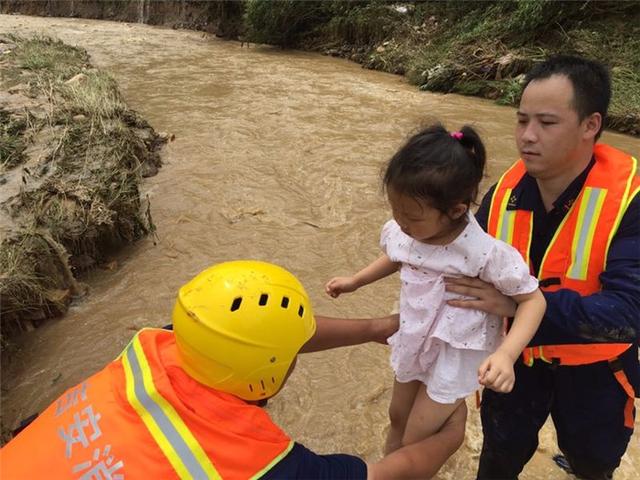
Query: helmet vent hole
[285,302]
[250,387]
[264,298]
[236,304]
[273,380]
[262,383]
[301,311]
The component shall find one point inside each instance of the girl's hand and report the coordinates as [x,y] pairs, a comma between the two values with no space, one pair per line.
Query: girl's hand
[496,372]
[338,285]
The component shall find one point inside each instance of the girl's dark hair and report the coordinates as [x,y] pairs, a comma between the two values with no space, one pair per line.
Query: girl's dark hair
[440,168]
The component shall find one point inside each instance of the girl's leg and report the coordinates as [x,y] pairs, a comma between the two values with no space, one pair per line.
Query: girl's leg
[402,399]
[427,417]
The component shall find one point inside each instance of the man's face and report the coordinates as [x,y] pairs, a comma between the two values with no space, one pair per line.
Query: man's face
[549,132]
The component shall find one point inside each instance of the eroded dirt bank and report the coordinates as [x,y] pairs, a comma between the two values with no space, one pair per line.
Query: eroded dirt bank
[72,156]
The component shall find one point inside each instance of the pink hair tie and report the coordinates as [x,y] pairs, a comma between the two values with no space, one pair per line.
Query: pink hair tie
[456,135]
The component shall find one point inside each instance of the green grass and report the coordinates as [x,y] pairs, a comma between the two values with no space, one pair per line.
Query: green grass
[97,96]
[49,57]
[479,48]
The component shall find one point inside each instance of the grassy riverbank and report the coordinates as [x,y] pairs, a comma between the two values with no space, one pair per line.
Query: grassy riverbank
[471,48]
[72,156]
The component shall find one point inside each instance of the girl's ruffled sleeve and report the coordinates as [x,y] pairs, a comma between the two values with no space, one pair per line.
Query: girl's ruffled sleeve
[507,271]
[385,236]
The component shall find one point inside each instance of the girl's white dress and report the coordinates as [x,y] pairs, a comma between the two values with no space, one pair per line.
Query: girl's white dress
[440,345]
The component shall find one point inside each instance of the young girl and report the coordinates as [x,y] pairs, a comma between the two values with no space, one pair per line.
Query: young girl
[430,183]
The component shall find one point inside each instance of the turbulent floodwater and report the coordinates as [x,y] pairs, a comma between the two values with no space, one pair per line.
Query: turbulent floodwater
[277,157]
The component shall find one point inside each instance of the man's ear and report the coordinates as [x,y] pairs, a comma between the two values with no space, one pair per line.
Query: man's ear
[458,210]
[592,125]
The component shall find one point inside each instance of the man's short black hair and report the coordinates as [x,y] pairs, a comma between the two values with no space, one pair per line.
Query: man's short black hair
[590,79]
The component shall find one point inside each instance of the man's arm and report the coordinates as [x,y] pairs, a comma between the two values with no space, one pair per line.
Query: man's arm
[610,315]
[342,332]
[302,463]
[423,459]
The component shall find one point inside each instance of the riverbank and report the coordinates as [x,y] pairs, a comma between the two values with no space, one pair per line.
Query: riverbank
[72,156]
[471,48]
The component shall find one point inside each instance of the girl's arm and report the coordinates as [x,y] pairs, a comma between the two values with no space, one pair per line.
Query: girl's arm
[496,372]
[380,268]
[529,313]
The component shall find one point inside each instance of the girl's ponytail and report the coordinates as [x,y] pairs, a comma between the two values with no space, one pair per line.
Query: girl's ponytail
[470,140]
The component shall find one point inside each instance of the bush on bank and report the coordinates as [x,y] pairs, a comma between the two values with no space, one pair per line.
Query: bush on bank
[480,48]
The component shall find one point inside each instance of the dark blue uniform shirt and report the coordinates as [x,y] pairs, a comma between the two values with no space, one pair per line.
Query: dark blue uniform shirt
[301,463]
[610,315]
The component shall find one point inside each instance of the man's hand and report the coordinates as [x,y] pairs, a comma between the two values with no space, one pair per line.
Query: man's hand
[496,372]
[338,285]
[384,327]
[487,297]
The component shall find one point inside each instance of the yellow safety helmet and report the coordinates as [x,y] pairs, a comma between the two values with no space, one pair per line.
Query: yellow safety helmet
[239,326]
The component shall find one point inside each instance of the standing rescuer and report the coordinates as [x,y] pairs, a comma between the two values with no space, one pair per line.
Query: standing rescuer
[571,207]
[186,403]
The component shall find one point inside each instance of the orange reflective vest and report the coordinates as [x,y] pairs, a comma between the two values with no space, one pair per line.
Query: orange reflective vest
[577,253]
[143,417]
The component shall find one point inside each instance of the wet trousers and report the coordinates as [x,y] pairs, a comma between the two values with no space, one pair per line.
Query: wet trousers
[586,404]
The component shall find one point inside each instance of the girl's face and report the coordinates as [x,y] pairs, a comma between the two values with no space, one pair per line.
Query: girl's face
[424,223]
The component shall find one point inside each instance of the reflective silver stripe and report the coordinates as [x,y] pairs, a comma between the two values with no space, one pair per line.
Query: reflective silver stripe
[507,225]
[163,422]
[579,266]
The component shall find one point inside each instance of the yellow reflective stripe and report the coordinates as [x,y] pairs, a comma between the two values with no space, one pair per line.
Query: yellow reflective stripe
[588,214]
[530,361]
[542,357]
[495,192]
[173,437]
[632,195]
[623,206]
[274,461]
[504,230]
[529,238]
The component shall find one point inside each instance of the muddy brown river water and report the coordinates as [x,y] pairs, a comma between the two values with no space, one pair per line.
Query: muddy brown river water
[277,157]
